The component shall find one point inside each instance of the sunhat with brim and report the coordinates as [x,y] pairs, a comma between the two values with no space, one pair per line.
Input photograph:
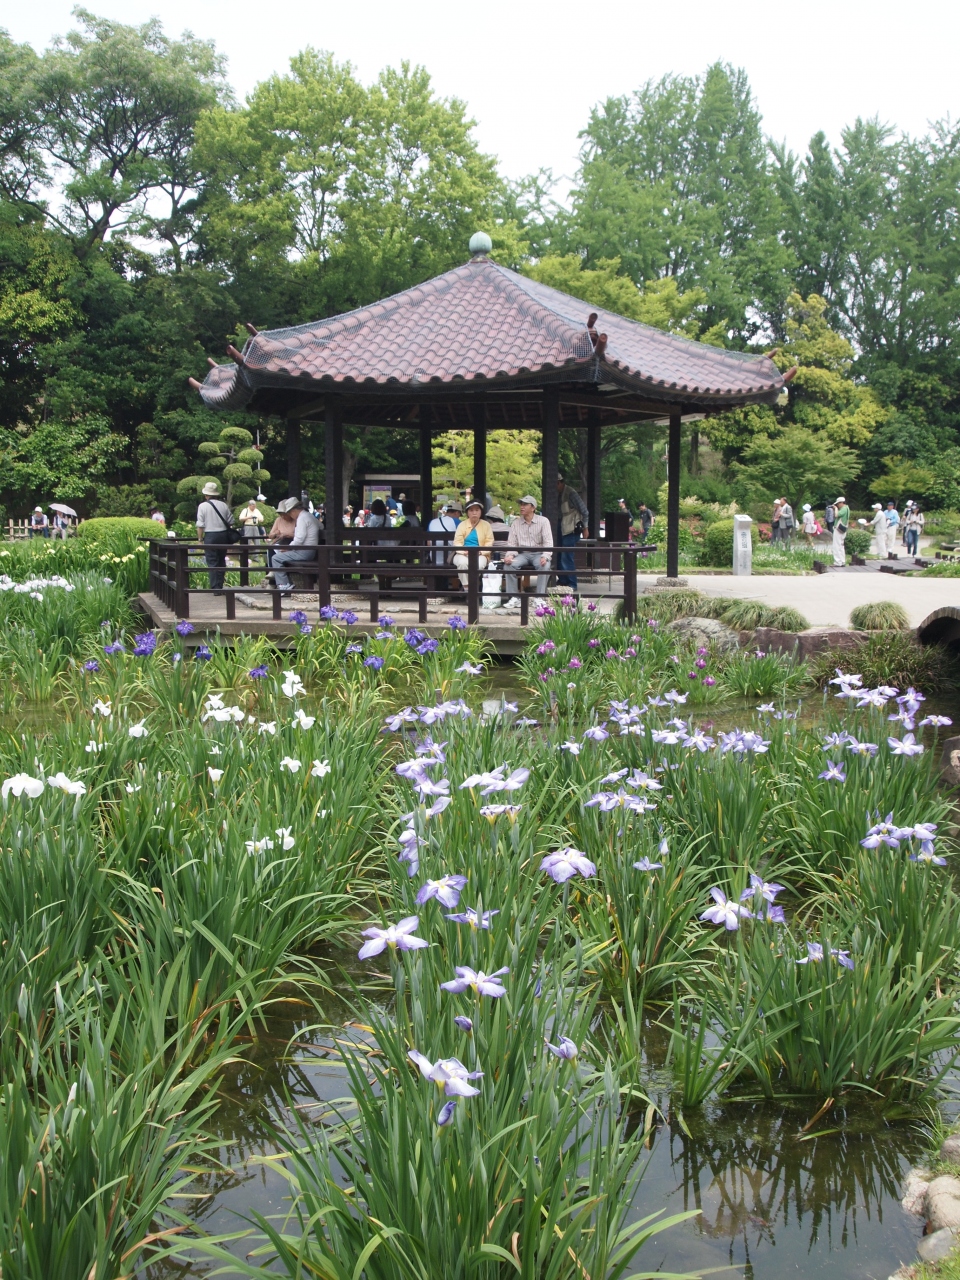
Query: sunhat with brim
[841,499]
[529,498]
[455,506]
[806,506]
[287,504]
[474,502]
[877,506]
[211,489]
[496,513]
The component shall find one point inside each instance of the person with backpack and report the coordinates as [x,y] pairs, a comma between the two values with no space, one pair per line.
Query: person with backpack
[215,529]
[830,517]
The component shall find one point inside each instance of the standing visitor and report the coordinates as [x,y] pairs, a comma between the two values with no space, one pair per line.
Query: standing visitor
[786,522]
[893,525]
[214,523]
[445,521]
[879,526]
[915,522]
[157,515]
[775,521]
[39,524]
[251,521]
[529,538]
[830,516]
[809,524]
[622,505]
[377,519]
[306,537]
[472,532]
[574,519]
[347,517]
[645,517]
[840,526]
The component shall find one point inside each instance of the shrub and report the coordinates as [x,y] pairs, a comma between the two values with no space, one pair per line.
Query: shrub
[718,543]
[881,615]
[892,657]
[942,569]
[667,606]
[109,530]
[858,542]
[747,615]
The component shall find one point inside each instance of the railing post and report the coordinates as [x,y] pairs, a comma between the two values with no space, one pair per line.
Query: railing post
[473,584]
[182,580]
[244,564]
[630,584]
[323,575]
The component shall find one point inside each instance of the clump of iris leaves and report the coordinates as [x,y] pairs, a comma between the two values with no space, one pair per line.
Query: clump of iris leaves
[191,831]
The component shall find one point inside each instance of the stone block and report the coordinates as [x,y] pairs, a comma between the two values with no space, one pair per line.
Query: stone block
[937,1245]
[943,1202]
[672,584]
[705,631]
[914,1196]
[950,771]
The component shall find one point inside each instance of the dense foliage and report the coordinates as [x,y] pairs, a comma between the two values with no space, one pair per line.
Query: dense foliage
[145,215]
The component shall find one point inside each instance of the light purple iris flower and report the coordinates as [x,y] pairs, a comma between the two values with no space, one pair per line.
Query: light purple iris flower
[465,1024]
[726,911]
[666,737]
[411,769]
[761,888]
[927,854]
[873,698]
[448,1074]
[766,706]
[410,845]
[884,833]
[606,801]
[428,787]
[905,746]
[935,721]
[395,723]
[482,984]
[573,747]
[833,772]
[566,1050]
[674,695]
[476,920]
[842,678]
[815,955]
[904,717]
[446,890]
[641,781]
[836,740]
[446,1113]
[437,807]
[566,864]
[702,741]
[646,865]
[398,937]
[614,777]
[433,751]
[597,734]
[862,748]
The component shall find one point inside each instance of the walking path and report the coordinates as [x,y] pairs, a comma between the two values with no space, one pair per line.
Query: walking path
[826,599]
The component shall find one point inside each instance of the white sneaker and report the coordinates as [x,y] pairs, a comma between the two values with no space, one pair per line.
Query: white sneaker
[512,603]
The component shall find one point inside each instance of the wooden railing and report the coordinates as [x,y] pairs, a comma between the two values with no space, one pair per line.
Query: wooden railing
[397,564]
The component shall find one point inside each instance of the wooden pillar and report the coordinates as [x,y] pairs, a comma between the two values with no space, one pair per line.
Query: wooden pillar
[673,496]
[333,464]
[550,459]
[594,500]
[294,466]
[480,459]
[426,465]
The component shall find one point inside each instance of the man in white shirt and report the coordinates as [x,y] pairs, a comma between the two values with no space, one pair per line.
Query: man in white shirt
[527,539]
[306,537]
[445,521]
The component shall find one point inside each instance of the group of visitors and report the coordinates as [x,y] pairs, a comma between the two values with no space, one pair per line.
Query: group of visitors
[40,525]
[383,513]
[888,526]
[296,530]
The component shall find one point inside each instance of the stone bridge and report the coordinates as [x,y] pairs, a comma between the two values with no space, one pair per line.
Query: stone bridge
[941,627]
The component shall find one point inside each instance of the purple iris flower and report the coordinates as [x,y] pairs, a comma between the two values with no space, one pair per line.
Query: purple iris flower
[726,911]
[431,753]
[448,1074]
[348,617]
[259,673]
[594,643]
[202,653]
[567,863]
[606,801]
[641,781]
[354,648]
[905,746]
[646,865]
[414,637]
[836,741]
[482,984]
[475,919]
[465,1024]
[429,646]
[386,621]
[410,845]
[398,937]
[566,1050]
[861,748]
[328,613]
[456,623]
[145,644]
[883,833]
[437,807]
[935,721]
[446,890]
[815,955]
[927,854]
[298,616]
[407,716]
[598,733]
[184,628]
[833,772]
[702,741]
[547,647]
[760,888]
[446,1113]
[374,662]
[427,786]
[91,665]
[614,777]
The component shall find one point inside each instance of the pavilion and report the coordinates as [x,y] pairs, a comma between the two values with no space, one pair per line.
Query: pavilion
[481,348]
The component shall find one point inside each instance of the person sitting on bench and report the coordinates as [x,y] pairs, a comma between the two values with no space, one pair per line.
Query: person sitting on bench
[306,537]
[528,537]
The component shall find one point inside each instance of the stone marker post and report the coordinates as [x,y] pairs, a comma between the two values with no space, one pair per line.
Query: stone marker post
[742,546]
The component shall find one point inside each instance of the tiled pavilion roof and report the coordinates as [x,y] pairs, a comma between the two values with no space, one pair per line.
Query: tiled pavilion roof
[481,326]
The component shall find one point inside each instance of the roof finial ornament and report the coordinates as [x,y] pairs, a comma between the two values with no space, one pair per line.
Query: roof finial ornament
[480,245]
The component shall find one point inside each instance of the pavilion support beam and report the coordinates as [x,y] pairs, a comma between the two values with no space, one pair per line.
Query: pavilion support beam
[336,499]
[550,459]
[426,464]
[480,458]
[673,496]
[294,463]
[594,501]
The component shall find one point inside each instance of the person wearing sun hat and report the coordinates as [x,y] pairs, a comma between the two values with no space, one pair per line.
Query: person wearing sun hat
[879,526]
[840,532]
[808,523]
[472,532]
[214,523]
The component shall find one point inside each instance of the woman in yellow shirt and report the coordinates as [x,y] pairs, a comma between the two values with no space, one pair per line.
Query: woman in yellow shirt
[472,532]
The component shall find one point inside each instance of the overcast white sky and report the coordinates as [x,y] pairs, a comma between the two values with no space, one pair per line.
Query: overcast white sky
[530,72]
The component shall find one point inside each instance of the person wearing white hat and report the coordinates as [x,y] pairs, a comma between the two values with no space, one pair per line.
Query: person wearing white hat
[840,532]
[214,525]
[527,541]
[39,526]
[808,525]
[879,526]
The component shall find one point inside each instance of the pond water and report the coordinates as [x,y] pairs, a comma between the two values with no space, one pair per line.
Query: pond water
[777,1195]
[774,1199]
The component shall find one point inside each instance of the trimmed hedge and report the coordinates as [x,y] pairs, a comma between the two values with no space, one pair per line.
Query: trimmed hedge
[111,529]
[718,543]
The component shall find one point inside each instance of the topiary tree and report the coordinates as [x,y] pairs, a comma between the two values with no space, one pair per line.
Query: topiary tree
[232,455]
